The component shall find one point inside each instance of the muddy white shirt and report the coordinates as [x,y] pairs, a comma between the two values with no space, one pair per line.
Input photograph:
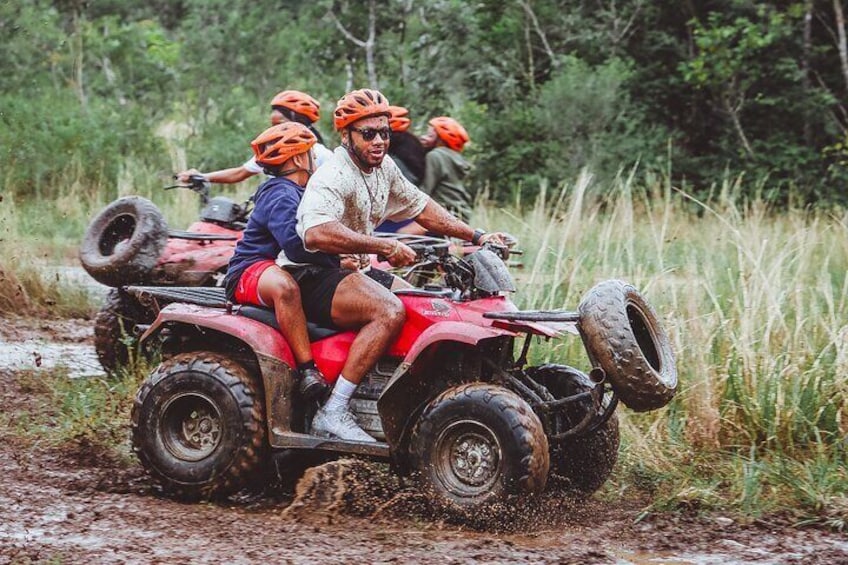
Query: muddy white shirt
[340,191]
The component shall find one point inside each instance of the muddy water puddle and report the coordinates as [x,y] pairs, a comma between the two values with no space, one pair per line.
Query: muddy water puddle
[40,345]
[79,360]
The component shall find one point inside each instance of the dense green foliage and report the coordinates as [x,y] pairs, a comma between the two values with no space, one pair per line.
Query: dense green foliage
[705,89]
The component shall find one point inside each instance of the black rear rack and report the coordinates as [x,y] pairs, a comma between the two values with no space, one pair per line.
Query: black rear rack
[211,296]
[179,234]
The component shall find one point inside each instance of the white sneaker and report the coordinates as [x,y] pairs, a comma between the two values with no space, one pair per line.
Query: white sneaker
[338,423]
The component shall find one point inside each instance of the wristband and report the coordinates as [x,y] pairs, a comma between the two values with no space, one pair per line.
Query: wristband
[394,251]
[475,237]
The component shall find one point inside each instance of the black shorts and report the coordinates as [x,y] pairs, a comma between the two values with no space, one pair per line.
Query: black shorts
[318,287]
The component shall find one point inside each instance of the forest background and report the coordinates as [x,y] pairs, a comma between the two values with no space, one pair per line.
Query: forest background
[699,90]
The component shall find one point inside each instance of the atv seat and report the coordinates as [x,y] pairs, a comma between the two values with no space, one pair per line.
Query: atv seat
[267,317]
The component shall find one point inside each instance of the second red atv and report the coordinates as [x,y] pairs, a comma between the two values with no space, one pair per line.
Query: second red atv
[453,402]
[128,242]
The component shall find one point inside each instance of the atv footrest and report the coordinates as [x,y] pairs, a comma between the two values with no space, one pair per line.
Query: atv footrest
[199,295]
[294,440]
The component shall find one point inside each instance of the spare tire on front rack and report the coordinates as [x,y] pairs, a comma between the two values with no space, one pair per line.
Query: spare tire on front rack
[124,242]
[623,336]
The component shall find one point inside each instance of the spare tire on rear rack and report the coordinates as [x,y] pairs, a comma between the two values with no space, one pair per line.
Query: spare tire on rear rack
[623,336]
[124,241]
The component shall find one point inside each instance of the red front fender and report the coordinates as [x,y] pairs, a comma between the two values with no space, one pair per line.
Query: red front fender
[461,332]
[259,337]
[406,390]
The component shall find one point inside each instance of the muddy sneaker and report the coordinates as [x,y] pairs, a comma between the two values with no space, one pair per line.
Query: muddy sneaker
[312,384]
[338,423]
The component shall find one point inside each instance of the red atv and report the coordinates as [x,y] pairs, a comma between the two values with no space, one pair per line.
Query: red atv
[453,403]
[128,242]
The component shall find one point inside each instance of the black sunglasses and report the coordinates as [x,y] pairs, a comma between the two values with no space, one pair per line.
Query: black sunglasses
[368,134]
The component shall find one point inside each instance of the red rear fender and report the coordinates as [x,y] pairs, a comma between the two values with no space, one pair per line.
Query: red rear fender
[259,337]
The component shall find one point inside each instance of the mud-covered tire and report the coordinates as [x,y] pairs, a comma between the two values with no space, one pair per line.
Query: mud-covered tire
[124,241]
[622,335]
[584,464]
[114,341]
[198,427]
[476,446]
[579,465]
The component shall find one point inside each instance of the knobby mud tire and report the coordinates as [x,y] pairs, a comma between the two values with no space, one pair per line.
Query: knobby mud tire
[114,341]
[584,464]
[479,415]
[123,242]
[622,335]
[198,427]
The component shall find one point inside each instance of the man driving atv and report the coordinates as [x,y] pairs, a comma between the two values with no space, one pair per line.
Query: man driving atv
[353,192]
[286,106]
[285,153]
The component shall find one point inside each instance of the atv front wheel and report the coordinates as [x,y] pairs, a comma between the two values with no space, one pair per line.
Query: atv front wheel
[124,241]
[198,426]
[114,341]
[475,446]
[622,334]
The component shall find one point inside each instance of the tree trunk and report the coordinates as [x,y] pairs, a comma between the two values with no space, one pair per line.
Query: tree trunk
[370,44]
[78,59]
[842,44]
[805,65]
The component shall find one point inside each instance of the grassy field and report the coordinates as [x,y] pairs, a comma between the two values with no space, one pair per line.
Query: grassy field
[755,302]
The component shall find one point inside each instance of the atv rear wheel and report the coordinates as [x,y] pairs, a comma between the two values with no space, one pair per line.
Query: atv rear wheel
[114,341]
[198,426]
[622,334]
[475,446]
[124,241]
[579,464]
[585,463]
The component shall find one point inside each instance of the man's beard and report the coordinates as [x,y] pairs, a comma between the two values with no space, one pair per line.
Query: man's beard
[363,158]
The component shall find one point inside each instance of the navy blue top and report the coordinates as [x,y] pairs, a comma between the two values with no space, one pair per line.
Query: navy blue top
[271,229]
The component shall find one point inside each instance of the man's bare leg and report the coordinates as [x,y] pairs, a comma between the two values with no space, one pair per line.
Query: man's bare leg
[361,302]
[277,288]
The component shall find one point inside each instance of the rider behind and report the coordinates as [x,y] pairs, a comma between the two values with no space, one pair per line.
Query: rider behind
[406,151]
[350,195]
[445,169]
[286,106]
[285,153]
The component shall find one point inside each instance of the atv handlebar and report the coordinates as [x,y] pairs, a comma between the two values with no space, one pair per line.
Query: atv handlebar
[196,183]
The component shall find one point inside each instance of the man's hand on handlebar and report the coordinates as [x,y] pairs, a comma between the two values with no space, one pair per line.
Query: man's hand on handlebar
[401,255]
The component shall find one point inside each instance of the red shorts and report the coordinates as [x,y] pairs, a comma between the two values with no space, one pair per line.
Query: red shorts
[247,289]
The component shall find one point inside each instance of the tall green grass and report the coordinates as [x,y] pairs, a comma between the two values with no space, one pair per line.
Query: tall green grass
[755,302]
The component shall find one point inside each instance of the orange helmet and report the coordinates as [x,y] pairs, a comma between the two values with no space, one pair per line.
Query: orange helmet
[359,104]
[299,102]
[279,143]
[399,118]
[450,132]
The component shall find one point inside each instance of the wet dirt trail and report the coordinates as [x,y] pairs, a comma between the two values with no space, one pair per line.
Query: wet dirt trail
[75,504]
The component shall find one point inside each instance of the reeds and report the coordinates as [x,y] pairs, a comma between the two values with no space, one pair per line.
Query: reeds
[755,302]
